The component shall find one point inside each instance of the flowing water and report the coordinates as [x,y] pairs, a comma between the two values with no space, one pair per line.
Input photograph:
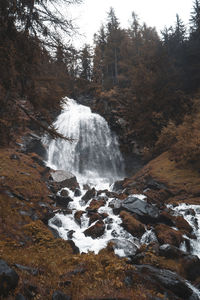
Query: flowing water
[94,157]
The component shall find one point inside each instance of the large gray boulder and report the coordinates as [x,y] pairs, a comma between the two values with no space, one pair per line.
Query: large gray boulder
[63,179]
[144,211]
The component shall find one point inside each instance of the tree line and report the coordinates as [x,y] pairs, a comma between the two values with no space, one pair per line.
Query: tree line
[150,81]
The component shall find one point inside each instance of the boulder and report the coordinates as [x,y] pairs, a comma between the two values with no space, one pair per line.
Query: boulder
[77,216]
[118,186]
[116,206]
[77,193]
[182,224]
[89,195]
[144,211]
[64,193]
[96,230]
[62,179]
[95,205]
[133,226]
[122,244]
[8,278]
[168,235]
[191,265]
[167,279]
[94,216]
[57,295]
[170,251]
[62,201]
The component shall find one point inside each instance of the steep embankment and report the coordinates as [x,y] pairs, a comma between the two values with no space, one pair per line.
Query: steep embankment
[46,264]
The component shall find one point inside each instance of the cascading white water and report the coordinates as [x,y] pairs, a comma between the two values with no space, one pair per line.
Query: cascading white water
[94,155]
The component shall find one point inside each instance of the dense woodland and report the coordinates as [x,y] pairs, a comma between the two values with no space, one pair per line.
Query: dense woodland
[149,80]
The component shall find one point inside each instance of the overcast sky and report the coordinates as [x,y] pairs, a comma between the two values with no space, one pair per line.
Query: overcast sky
[158,13]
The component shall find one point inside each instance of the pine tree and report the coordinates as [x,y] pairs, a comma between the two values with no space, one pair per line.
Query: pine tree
[85,57]
[195,19]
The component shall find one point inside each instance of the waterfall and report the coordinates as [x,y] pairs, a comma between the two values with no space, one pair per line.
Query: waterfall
[93,155]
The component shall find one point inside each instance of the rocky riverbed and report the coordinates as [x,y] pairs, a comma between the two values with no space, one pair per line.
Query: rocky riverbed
[37,264]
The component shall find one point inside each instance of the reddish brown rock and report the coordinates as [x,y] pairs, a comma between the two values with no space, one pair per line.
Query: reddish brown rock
[96,204]
[94,216]
[182,224]
[167,235]
[78,215]
[132,225]
[96,230]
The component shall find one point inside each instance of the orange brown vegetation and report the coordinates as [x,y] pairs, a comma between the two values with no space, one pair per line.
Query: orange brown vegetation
[30,243]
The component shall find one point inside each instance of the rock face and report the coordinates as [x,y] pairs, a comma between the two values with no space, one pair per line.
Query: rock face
[96,230]
[143,210]
[63,179]
[32,143]
[8,278]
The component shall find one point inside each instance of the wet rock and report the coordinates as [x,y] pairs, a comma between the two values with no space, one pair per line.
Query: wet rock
[8,278]
[89,195]
[77,193]
[95,205]
[167,279]
[166,218]
[182,224]
[167,235]
[191,265]
[96,230]
[116,205]
[118,186]
[62,179]
[125,246]
[62,201]
[64,193]
[94,216]
[151,183]
[57,295]
[30,270]
[143,210]
[170,251]
[77,216]
[132,225]
[57,222]
[70,234]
